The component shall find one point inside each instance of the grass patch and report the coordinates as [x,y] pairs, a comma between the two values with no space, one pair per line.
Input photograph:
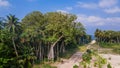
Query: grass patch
[115,47]
[106,48]
[109,45]
[82,48]
[116,50]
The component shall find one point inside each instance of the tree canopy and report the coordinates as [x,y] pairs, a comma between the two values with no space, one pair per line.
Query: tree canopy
[38,37]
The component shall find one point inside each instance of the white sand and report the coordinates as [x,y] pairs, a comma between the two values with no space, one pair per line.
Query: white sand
[92,42]
[115,60]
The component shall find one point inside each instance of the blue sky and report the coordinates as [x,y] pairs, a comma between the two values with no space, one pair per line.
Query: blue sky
[102,14]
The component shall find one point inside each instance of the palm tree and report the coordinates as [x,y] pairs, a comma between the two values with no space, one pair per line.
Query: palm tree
[2,23]
[12,27]
[97,34]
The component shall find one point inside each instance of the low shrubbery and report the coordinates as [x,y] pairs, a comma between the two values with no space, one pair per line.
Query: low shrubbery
[75,66]
[92,58]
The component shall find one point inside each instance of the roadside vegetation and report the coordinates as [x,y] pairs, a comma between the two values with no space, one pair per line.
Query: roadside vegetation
[92,59]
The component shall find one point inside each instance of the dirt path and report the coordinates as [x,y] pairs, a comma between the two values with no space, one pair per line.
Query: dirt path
[74,60]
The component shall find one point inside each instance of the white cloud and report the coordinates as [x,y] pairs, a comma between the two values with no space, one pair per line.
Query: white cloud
[101,4]
[86,5]
[107,6]
[90,20]
[112,10]
[4,3]
[107,3]
[97,21]
[62,11]
[68,8]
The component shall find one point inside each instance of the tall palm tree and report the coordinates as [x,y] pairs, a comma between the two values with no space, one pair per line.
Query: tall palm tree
[12,27]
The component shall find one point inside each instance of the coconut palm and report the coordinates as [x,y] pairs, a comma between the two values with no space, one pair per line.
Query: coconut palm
[108,36]
[2,23]
[13,27]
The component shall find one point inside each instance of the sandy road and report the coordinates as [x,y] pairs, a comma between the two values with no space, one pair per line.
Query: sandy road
[74,60]
[114,61]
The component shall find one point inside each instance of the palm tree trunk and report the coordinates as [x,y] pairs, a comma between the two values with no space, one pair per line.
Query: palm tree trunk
[63,50]
[61,46]
[40,50]
[57,51]
[14,47]
[117,40]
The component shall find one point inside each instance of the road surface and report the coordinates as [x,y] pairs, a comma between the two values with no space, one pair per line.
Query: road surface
[75,59]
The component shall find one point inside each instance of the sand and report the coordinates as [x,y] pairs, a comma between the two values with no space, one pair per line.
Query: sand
[114,61]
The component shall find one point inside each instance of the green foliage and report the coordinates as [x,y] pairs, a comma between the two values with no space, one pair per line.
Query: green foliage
[75,66]
[109,66]
[114,46]
[109,45]
[95,64]
[82,48]
[107,36]
[103,61]
[22,43]
[2,23]
[86,57]
[84,64]
[47,66]
[8,57]
[59,24]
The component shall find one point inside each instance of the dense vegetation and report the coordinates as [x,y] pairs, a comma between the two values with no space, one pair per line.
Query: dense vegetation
[107,36]
[109,39]
[38,37]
